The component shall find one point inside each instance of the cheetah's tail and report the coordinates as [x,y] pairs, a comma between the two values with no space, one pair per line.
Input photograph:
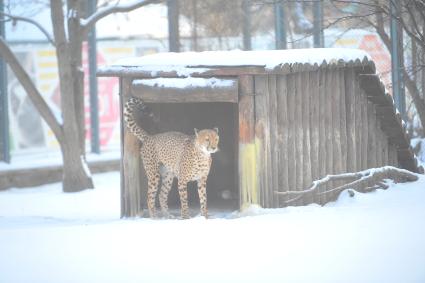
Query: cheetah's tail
[129,107]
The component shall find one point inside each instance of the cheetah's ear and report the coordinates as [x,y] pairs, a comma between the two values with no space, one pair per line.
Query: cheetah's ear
[215,129]
[196,131]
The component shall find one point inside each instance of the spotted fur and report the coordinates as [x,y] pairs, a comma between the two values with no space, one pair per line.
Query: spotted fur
[172,155]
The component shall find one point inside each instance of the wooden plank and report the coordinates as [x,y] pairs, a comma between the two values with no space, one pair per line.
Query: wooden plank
[262,137]
[392,155]
[329,88]
[343,122]
[336,123]
[292,172]
[306,113]
[209,90]
[274,147]
[371,144]
[322,130]
[131,177]
[350,81]
[248,179]
[378,144]
[314,126]
[299,133]
[358,127]
[283,134]
[364,129]
[385,150]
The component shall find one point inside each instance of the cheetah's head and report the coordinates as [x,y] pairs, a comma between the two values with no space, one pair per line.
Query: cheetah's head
[207,140]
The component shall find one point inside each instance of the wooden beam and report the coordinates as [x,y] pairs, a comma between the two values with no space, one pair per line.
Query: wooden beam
[150,92]
[217,70]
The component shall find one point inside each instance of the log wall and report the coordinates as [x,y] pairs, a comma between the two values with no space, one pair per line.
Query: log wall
[309,124]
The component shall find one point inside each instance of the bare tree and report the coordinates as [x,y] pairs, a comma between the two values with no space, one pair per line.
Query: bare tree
[223,19]
[411,17]
[68,34]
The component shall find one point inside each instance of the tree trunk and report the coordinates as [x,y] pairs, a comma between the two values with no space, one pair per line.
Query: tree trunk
[76,174]
[75,33]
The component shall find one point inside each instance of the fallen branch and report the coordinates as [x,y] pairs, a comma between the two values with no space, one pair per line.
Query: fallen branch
[364,181]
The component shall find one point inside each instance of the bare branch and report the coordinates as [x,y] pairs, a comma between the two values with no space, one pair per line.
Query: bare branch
[31,21]
[31,90]
[86,24]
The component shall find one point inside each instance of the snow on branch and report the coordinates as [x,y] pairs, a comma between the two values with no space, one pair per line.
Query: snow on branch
[14,19]
[364,181]
[117,8]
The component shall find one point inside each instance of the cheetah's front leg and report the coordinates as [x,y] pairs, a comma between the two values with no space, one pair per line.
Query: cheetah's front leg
[202,192]
[183,199]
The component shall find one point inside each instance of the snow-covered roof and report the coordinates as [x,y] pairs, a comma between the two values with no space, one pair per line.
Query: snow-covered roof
[190,63]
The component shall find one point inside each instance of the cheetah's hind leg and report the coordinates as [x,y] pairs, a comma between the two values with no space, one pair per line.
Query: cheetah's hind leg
[167,181]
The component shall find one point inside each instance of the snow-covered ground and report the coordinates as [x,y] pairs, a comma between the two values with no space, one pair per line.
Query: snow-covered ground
[49,236]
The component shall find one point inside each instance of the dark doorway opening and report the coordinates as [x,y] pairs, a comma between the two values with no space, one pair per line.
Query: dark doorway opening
[222,184]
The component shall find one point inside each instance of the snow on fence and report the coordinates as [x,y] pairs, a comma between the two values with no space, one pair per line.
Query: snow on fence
[286,118]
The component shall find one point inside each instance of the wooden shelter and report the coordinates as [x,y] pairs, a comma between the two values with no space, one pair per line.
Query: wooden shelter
[286,118]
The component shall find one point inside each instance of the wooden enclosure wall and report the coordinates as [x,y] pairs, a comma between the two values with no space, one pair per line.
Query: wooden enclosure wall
[302,126]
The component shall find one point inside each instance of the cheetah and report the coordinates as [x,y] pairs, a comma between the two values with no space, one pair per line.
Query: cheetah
[172,155]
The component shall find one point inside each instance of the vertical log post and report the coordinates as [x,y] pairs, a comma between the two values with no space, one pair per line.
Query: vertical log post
[283,134]
[262,138]
[306,112]
[292,161]
[299,133]
[329,88]
[371,144]
[343,122]
[314,126]
[274,146]
[322,130]
[131,177]
[364,130]
[336,124]
[358,126]
[247,155]
[350,78]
